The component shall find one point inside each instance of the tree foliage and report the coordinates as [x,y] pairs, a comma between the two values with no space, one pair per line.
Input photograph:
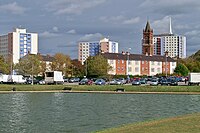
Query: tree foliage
[4,67]
[181,69]
[97,66]
[61,63]
[29,65]
[77,68]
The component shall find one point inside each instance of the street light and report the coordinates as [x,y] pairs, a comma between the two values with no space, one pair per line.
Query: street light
[166,54]
[128,54]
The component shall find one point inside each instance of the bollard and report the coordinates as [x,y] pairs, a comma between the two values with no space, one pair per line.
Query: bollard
[14,89]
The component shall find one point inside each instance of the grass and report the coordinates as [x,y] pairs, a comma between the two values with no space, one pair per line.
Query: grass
[128,88]
[181,124]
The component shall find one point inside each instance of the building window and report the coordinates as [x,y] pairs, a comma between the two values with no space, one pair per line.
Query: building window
[137,69]
[118,68]
[118,61]
[129,62]
[152,63]
[111,62]
[129,69]
[142,62]
[158,70]
[122,61]
[122,68]
[136,62]
[152,70]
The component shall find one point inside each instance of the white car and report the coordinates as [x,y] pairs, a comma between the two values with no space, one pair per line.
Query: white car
[154,82]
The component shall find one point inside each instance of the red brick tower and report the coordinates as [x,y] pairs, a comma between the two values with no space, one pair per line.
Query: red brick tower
[147,41]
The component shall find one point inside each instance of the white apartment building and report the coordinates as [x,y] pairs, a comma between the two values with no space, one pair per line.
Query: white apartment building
[17,44]
[87,49]
[175,45]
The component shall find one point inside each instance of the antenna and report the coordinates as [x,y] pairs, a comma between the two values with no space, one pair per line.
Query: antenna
[170,25]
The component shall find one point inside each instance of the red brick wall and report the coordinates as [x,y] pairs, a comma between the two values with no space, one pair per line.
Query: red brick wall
[144,67]
[120,67]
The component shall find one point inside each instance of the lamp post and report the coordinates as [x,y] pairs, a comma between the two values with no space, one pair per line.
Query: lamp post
[128,54]
[166,54]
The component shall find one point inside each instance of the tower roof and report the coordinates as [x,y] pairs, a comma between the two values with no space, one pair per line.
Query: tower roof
[147,28]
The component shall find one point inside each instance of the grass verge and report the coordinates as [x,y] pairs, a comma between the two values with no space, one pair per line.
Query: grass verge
[181,124]
[128,88]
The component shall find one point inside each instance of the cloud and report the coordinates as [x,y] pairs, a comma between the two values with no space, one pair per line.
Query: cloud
[132,20]
[12,8]
[171,7]
[72,31]
[72,6]
[47,34]
[91,37]
[193,33]
[112,19]
[55,29]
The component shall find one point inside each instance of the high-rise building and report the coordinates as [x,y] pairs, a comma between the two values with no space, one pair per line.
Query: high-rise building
[174,44]
[147,41]
[17,44]
[87,49]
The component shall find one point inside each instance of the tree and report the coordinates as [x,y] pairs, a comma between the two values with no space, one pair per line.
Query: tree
[181,69]
[77,68]
[97,66]
[61,63]
[29,65]
[4,67]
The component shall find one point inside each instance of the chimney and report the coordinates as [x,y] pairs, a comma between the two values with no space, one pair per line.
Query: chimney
[123,53]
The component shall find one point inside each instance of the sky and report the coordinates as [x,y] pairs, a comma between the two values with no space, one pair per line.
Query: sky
[61,24]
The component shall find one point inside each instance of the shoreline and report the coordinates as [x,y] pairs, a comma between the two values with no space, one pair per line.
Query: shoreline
[103,92]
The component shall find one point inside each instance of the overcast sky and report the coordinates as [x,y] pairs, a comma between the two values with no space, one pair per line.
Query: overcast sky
[61,24]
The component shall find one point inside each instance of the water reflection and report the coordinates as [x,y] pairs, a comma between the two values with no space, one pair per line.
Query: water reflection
[62,112]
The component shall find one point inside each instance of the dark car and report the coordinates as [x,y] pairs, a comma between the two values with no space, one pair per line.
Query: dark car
[29,81]
[173,82]
[143,81]
[100,82]
[73,80]
[165,81]
[86,81]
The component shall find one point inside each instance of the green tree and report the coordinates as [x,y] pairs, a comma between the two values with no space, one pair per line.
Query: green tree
[97,66]
[61,63]
[4,67]
[29,65]
[181,69]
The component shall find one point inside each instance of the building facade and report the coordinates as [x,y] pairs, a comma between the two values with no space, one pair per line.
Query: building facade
[135,64]
[87,49]
[17,44]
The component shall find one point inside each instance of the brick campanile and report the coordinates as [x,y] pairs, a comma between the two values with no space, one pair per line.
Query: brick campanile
[147,40]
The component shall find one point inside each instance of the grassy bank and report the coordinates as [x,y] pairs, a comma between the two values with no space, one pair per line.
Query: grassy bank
[128,88]
[181,124]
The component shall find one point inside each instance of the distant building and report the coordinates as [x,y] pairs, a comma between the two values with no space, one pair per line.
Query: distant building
[147,41]
[87,49]
[17,44]
[136,64]
[174,44]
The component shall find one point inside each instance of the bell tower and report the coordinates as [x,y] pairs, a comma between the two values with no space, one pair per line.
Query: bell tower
[147,40]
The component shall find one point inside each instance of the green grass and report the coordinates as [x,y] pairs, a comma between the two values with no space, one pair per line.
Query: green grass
[181,124]
[102,88]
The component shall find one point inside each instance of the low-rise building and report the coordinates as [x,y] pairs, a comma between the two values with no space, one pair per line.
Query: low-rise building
[136,64]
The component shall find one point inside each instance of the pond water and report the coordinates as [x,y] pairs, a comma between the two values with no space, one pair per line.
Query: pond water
[82,113]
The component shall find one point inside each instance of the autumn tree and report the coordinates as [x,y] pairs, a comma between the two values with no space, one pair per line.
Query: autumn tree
[97,66]
[29,65]
[77,69]
[61,63]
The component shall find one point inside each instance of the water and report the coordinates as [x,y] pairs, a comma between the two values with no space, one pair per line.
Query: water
[80,113]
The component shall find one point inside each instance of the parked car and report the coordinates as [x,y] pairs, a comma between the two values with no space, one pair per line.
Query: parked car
[154,81]
[86,81]
[143,81]
[136,82]
[165,81]
[173,81]
[42,82]
[73,80]
[29,81]
[116,82]
[100,82]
